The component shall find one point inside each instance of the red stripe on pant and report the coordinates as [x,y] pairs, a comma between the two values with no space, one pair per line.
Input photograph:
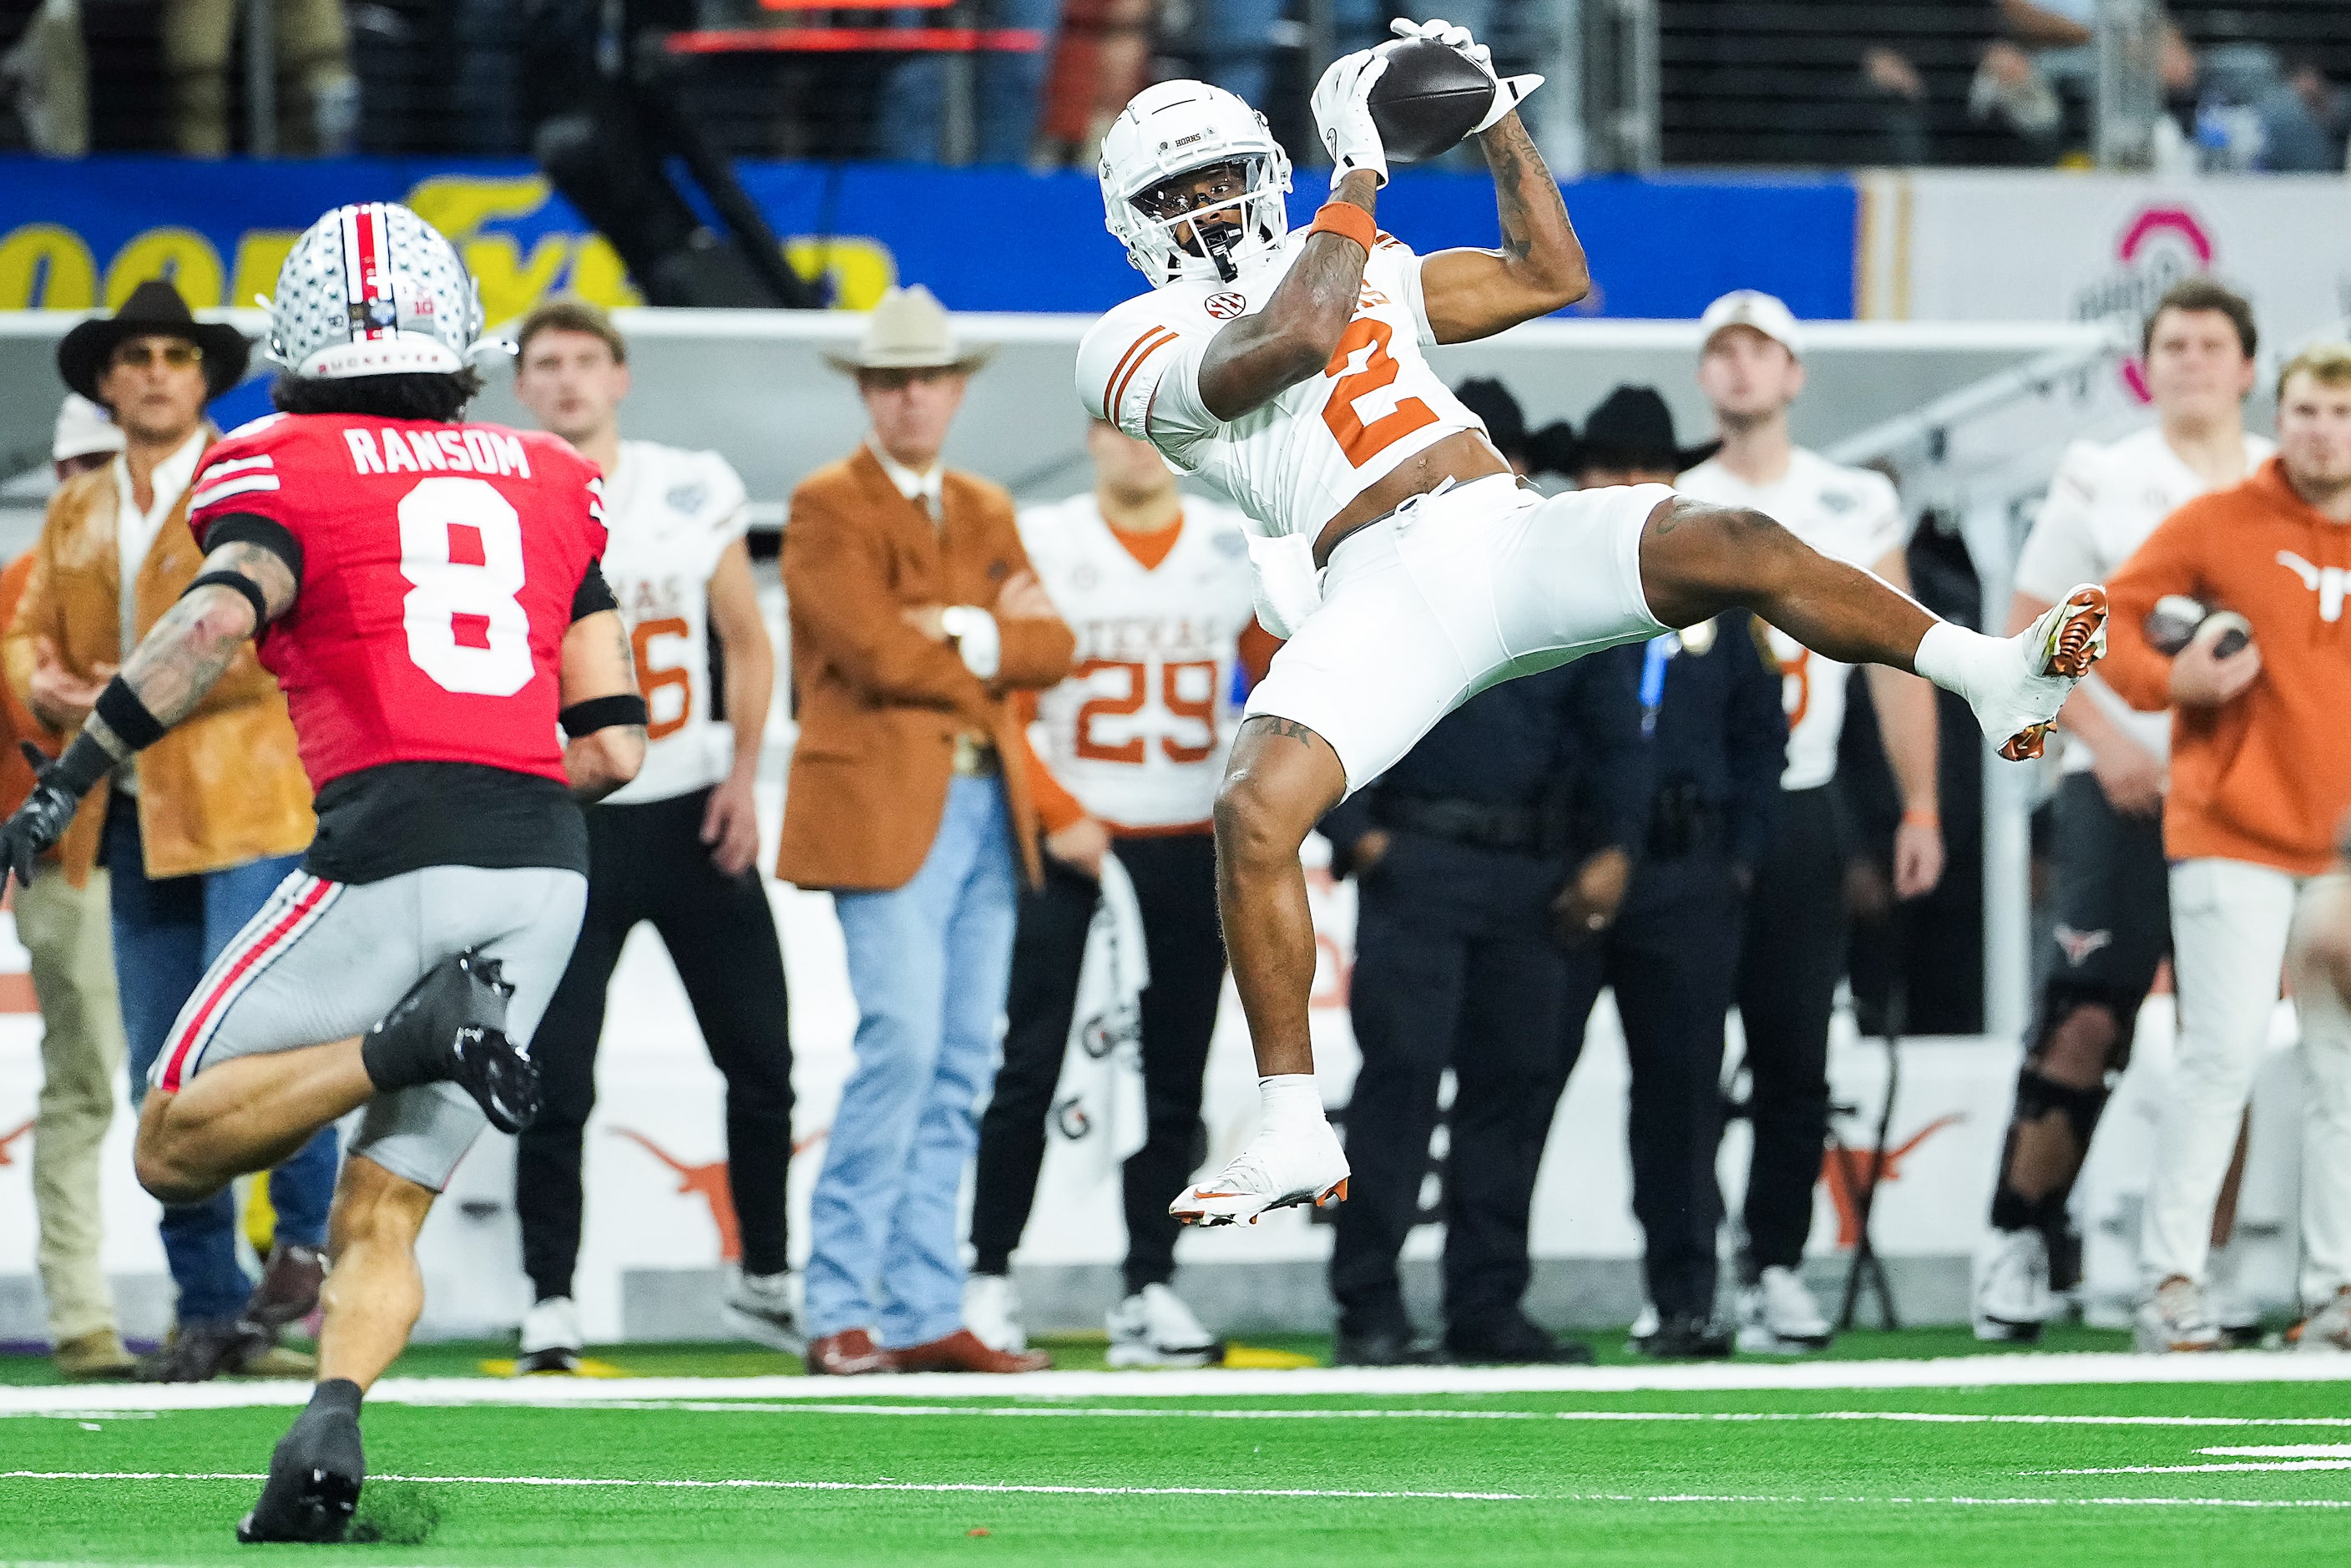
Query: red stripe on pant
[175,1060]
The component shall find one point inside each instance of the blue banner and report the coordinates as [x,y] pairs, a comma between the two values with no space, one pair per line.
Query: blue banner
[75,235]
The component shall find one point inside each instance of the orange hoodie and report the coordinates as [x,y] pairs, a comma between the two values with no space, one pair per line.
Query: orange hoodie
[2265,777]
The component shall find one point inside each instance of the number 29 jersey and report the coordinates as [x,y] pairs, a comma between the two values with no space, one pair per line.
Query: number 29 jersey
[1296,463]
[440,565]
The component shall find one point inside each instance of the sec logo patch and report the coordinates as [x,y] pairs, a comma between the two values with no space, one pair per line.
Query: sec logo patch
[1225,306]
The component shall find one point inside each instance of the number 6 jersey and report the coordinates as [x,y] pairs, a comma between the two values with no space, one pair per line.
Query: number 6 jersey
[1296,463]
[439,567]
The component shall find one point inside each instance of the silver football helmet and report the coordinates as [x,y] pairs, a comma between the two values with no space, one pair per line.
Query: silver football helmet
[1177,128]
[373,291]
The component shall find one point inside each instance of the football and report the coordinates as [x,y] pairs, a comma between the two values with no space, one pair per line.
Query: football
[1428,98]
[2176,618]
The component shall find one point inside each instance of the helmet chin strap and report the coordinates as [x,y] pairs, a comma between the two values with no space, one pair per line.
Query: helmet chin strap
[1220,252]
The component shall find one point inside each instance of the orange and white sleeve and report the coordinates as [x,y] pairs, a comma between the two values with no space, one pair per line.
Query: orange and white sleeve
[1142,372]
[1056,807]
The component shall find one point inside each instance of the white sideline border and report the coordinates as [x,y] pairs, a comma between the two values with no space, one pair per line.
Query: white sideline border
[2054,1370]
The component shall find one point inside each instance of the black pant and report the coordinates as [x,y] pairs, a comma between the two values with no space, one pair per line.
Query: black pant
[1454,968]
[1175,883]
[1672,958]
[648,862]
[1797,931]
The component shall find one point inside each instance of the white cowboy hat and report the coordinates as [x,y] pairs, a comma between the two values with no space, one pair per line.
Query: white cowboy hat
[911,330]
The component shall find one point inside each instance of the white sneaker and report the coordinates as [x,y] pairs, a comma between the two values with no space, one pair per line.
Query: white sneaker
[550,1338]
[1301,1163]
[766,1310]
[2327,1331]
[2234,1312]
[991,1310]
[2012,1298]
[2046,660]
[2175,1318]
[1152,1327]
[1777,1316]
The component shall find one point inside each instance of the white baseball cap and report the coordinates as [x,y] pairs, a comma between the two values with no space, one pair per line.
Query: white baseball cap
[84,429]
[1752,307]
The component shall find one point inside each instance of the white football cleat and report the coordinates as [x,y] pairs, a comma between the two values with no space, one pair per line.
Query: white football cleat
[765,1309]
[1280,1168]
[1152,1327]
[550,1338]
[2048,658]
[2327,1329]
[2012,1298]
[2175,1318]
[1777,1316]
[991,1310]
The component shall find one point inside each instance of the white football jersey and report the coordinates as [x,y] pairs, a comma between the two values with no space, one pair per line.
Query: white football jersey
[2102,505]
[1851,515]
[1294,464]
[671,514]
[1139,731]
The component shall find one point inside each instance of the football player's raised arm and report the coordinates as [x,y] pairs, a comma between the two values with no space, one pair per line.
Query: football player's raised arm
[603,715]
[1255,358]
[1540,267]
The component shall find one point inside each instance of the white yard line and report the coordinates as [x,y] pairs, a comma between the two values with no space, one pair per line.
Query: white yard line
[1194,1413]
[1287,1492]
[2027,1371]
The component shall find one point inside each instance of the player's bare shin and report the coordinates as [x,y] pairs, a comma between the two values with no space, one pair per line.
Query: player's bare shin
[1255,358]
[374,1289]
[244,1115]
[1281,781]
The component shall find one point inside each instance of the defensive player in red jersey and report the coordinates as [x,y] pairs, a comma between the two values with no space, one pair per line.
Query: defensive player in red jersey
[427,593]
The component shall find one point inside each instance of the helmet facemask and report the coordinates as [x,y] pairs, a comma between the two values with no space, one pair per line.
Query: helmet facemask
[1210,212]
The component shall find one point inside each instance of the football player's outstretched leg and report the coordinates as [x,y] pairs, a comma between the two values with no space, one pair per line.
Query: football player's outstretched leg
[1395,550]
[401,970]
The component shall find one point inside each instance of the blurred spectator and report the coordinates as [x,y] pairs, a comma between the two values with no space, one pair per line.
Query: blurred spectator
[198,834]
[2321,966]
[64,930]
[47,75]
[2249,115]
[1102,60]
[1710,705]
[2329,106]
[1008,87]
[1895,96]
[319,107]
[913,618]
[2261,775]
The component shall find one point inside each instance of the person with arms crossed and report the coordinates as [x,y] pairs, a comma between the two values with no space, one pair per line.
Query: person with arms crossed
[2260,774]
[675,846]
[2114,924]
[1156,585]
[1393,543]
[434,612]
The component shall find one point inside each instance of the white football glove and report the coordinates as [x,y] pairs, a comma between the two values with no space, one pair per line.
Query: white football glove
[1509,91]
[1342,113]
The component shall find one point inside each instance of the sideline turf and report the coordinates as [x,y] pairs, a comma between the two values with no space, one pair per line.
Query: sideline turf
[1590,1489]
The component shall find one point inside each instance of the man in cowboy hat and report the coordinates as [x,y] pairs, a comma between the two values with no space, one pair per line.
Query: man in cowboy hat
[210,821]
[914,616]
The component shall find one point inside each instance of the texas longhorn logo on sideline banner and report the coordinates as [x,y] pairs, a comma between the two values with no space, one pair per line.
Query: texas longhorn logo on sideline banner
[1845,1172]
[707,1182]
[8,1138]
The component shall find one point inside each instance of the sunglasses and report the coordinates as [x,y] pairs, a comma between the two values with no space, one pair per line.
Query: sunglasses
[137,356]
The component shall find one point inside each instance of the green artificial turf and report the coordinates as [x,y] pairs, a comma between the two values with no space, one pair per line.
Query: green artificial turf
[1771,1484]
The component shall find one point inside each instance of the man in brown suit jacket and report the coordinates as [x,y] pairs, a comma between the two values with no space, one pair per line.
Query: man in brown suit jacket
[914,618]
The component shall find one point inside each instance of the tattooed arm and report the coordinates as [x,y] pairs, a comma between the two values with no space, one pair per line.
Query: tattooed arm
[597,663]
[198,638]
[1541,269]
[1255,358]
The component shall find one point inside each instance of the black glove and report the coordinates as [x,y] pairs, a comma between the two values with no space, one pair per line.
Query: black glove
[41,821]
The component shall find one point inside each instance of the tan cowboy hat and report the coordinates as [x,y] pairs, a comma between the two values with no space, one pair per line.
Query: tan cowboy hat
[911,330]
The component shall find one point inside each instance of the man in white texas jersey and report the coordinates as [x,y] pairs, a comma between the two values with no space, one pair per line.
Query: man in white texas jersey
[427,592]
[1292,369]
[677,846]
[1156,586]
[1752,368]
[2112,882]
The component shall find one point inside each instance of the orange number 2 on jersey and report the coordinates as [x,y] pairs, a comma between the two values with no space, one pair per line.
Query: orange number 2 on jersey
[1107,706]
[1359,442]
[651,678]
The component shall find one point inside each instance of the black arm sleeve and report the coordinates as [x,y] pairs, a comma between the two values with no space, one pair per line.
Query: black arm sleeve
[594,594]
[247,528]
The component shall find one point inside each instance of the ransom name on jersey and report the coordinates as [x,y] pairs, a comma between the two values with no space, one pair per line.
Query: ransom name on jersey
[459,451]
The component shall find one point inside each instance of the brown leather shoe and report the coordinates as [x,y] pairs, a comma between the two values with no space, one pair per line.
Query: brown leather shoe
[851,1352]
[95,1356]
[289,1290]
[964,1350]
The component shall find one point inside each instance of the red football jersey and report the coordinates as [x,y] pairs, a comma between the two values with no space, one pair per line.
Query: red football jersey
[439,565]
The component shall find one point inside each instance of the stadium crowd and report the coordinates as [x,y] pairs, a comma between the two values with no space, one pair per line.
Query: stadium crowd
[1011,726]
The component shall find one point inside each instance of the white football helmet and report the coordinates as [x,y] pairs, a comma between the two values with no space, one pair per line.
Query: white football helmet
[1178,128]
[373,291]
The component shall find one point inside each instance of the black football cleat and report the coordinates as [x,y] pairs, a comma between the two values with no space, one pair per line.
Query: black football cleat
[315,1476]
[500,1076]
[451,1027]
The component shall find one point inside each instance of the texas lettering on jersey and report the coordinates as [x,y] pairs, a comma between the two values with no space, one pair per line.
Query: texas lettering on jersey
[439,566]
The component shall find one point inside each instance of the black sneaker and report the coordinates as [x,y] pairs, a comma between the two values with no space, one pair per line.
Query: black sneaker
[1684,1336]
[451,1027]
[315,1476]
[1379,1348]
[1514,1341]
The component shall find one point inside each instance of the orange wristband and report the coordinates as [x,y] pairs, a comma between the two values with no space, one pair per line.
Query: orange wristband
[1347,220]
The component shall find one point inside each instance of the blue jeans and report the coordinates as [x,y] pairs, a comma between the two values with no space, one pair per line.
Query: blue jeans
[1007,88]
[929,963]
[167,932]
